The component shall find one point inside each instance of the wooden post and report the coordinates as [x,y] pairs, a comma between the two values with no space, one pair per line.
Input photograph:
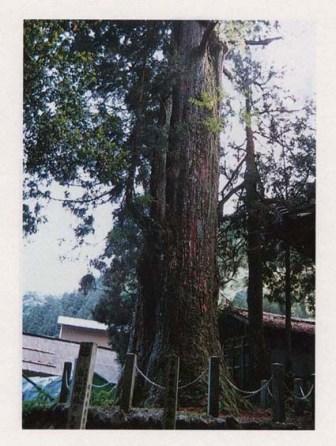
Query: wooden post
[213,386]
[128,382]
[298,404]
[278,392]
[65,391]
[170,404]
[264,397]
[82,386]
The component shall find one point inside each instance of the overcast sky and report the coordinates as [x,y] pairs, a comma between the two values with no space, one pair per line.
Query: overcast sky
[42,270]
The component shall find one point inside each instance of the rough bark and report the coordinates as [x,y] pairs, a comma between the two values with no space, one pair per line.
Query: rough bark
[150,264]
[189,327]
[185,306]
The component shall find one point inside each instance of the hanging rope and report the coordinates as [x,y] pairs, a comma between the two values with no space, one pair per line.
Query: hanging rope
[304,397]
[149,380]
[269,391]
[194,381]
[301,390]
[100,386]
[96,386]
[248,392]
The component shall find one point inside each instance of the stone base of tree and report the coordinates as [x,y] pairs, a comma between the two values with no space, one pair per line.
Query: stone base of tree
[114,418]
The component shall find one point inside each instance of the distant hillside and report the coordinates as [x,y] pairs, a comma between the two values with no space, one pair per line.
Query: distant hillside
[40,312]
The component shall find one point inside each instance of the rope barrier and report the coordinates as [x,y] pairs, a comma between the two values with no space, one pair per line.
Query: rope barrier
[100,386]
[304,397]
[194,381]
[269,391]
[149,380]
[248,392]
[159,386]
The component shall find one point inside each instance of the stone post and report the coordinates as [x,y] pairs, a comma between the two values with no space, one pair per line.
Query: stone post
[170,403]
[82,386]
[213,386]
[278,392]
[128,382]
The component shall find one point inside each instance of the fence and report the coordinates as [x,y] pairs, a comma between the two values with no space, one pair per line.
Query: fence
[78,391]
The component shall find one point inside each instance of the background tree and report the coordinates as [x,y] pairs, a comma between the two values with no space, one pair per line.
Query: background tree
[293,185]
[119,285]
[246,75]
[267,105]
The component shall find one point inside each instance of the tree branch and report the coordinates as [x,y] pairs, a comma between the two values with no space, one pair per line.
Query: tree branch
[85,200]
[227,73]
[263,42]
[226,198]
[234,173]
[233,191]
[208,30]
[279,110]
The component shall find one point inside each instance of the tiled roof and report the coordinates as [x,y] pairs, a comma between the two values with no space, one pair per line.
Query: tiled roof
[278,321]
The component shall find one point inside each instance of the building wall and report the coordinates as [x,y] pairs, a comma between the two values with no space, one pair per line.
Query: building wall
[80,334]
[45,356]
[303,352]
[236,353]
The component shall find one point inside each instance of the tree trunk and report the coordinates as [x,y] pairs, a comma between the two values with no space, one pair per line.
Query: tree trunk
[259,364]
[191,289]
[150,263]
[185,307]
[288,301]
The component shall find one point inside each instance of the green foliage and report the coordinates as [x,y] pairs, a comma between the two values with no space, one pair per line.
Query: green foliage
[302,282]
[209,103]
[103,398]
[247,117]
[235,32]
[91,120]
[275,304]
[205,101]
[117,305]
[213,124]
[83,81]
[40,402]
[40,313]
